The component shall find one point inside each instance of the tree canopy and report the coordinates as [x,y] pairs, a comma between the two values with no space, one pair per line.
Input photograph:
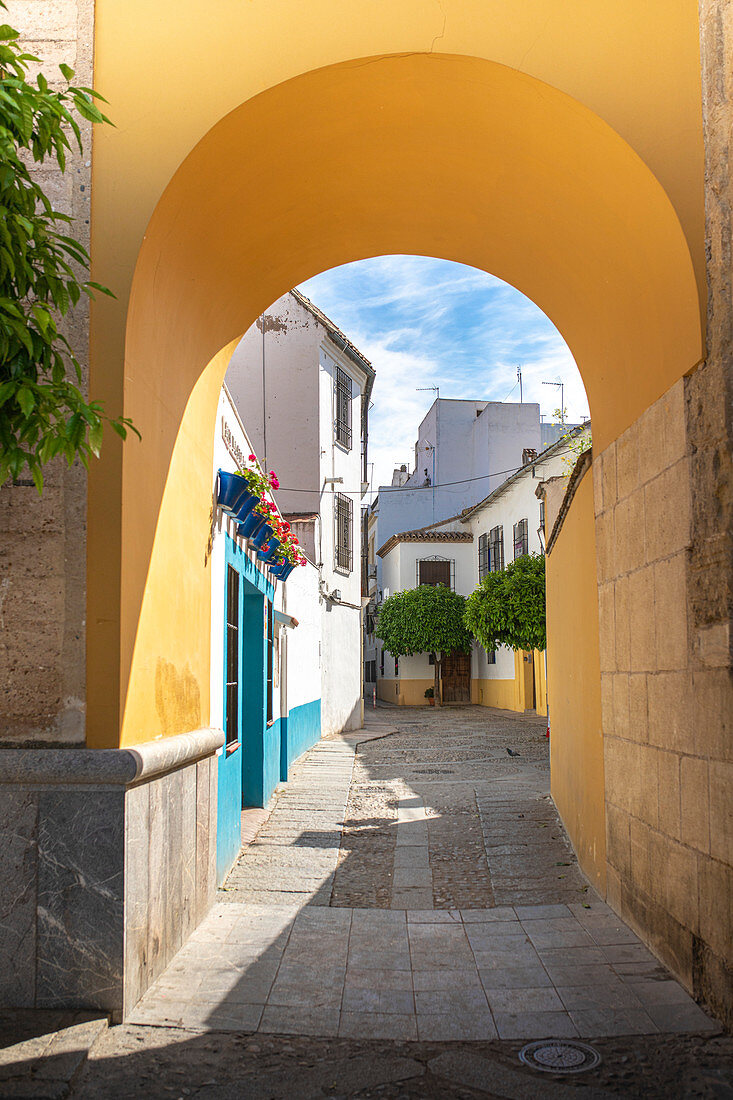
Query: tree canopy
[508,607]
[43,410]
[427,619]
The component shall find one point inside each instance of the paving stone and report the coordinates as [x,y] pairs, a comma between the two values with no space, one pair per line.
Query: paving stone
[515,977]
[535,1025]
[520,1000]
[592,1022]
[375,1025]
[284,1020]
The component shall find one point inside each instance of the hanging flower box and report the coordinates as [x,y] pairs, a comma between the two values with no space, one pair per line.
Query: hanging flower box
[282,569]
[251,525]
[269,551]
[263,535]
[232,491]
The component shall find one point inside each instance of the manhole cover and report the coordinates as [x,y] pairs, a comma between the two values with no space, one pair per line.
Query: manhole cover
[559,1056]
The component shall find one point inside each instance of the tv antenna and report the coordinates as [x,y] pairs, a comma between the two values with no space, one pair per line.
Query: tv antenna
[562,399]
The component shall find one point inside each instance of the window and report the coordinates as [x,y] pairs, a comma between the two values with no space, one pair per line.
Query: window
[436,571]
[381,663]
[542,515]
[496,549]
[491,656]
[521,539]
[483,556]
[270,627]
[342,516]
[396,666]
[342,396]
[231,718]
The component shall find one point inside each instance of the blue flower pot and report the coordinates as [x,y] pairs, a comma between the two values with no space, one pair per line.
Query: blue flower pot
[246,506]
[262,535]
[232,489]
[251,525]
[271,553]
[283,570]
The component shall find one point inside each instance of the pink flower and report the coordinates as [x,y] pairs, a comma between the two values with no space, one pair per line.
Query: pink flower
[253,458]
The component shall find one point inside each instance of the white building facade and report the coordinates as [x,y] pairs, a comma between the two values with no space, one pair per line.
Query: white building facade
[504,526]
[304,391]
[265,689]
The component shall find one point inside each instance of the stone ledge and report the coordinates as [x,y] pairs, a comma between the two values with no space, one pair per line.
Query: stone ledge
[107,767]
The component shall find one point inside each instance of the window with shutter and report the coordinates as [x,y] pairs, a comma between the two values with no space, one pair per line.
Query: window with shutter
[435,571]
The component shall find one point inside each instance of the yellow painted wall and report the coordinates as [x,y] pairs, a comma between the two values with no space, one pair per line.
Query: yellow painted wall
[559,148]
[495,693]
[574,683]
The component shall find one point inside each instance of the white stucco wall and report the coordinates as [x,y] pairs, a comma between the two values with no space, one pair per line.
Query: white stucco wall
[399,572]
[297,597]
[289,417]
[341,649]
[478,445]
[298,419]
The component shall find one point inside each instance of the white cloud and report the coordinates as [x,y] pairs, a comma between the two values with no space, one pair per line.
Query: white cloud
[425,322]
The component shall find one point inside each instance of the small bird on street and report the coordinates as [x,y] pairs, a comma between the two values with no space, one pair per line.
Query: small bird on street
[513,753]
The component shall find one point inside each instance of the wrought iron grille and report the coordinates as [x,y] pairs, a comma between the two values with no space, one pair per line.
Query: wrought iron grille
[483,556]
[343,393]
[343,541]
[496,549]
[436,570]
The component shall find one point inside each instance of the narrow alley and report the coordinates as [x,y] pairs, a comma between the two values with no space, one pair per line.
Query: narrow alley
[411,884]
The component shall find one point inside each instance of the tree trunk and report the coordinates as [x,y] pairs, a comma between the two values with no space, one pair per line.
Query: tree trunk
[436,681]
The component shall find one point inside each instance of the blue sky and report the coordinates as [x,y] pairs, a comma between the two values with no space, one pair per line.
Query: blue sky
[427,322]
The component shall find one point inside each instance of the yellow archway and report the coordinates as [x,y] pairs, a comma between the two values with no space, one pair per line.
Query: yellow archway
[449,156]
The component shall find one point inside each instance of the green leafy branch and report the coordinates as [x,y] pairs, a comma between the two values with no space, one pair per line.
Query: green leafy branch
[508,607]
[43,410]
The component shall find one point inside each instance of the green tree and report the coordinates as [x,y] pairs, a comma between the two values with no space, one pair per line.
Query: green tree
[428,619]
[43,410]
[508,607]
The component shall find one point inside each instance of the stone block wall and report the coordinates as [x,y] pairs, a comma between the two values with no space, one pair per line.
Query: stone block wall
[43,541]
[108,863]
[667,752]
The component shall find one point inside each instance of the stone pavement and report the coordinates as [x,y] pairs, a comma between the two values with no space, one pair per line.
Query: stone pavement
[42,1052]
[421,888]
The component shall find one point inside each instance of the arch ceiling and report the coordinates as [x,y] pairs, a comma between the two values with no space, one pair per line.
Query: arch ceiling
[449,156]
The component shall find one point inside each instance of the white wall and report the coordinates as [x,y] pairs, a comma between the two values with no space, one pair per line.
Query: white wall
[479,443]
[300,363]
[298,596]
[341,648]
[399,573]
[290,416]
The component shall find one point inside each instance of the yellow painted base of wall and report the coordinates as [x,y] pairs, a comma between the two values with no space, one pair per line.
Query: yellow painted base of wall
[405,693]
[495,693]
[515,694]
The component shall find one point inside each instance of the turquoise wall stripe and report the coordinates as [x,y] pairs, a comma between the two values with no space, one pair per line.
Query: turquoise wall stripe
[302,731]
[228,813]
